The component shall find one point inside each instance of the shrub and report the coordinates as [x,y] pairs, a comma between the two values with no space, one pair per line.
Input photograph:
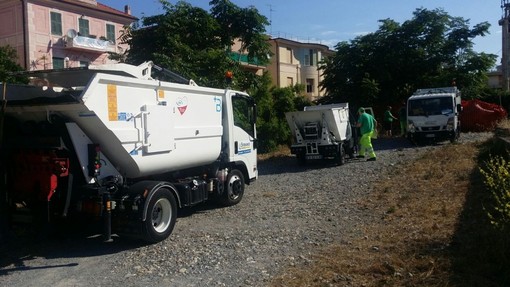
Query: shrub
[496,174]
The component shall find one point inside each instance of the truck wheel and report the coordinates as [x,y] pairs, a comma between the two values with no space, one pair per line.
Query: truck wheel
[301,159]
[349,148]
[161,216]
[455,137]
[234,188]
[341,155]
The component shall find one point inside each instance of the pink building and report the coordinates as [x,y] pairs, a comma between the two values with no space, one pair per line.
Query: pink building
[54,34]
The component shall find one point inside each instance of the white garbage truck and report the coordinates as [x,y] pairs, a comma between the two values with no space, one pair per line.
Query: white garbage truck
[433,114]
[321,132]
[121,147]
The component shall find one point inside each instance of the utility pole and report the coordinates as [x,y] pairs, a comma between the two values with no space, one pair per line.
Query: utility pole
[504,22]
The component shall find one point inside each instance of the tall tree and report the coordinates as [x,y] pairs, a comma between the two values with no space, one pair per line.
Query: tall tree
[197,44]
[243,24]
[430,50]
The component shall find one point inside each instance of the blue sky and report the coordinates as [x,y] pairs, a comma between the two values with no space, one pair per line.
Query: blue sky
[330,21]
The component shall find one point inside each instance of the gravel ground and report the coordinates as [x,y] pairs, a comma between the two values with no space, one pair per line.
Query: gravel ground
[288,214]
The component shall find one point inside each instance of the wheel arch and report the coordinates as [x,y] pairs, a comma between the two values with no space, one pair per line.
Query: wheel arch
[148,188]
[239,165]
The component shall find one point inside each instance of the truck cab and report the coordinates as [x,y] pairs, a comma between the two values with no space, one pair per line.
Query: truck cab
[433,115]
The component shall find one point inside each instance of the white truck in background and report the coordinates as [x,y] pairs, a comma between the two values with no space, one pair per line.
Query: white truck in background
[113,145]
[321,132]
[433,115]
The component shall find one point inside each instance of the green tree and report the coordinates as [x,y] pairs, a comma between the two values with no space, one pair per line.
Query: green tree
[430,50]
[245,25]
[197,44]
[9,67]
[272,104]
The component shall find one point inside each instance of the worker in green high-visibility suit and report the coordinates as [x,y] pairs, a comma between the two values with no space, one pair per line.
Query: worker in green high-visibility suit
[367,125]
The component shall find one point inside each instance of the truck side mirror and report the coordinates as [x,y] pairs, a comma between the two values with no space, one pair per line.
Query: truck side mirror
[459,108]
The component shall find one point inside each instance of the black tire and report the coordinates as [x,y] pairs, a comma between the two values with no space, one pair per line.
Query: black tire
[233,188]
[161,216]
[455,136]
[341,155]
[301,159]
[349,148]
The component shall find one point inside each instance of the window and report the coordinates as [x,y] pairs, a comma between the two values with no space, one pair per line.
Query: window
[289,55]
[56,23]
[58,63]
[84,64]
[430,106]
[83,28]
[110,32]
[309,85]
[309,58]
[244,113]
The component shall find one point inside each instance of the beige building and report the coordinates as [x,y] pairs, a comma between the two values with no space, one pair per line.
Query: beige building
[54,34]
[297,63]
[495,78]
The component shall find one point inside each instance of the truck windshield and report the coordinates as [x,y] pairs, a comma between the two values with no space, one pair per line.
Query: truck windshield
[430,106]
[244,113]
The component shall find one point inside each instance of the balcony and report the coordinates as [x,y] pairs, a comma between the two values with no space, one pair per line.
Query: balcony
[88,44]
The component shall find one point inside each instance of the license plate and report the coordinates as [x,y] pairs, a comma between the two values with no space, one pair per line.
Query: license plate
[430,135]
[314,157]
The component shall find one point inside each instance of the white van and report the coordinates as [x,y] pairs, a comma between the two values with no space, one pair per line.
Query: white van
[433,114]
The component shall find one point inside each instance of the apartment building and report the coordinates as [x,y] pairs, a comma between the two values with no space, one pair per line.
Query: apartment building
[239,55]
[297,63]
[54,34]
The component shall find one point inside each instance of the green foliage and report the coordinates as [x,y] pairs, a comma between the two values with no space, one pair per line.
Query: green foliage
[272,104]
[243,24]
[8,66]
[197,44]
[430,50]
[496,175]
[496,96]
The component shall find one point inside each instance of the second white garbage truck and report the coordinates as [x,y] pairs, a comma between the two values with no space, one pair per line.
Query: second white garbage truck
[321,132]
[116,146]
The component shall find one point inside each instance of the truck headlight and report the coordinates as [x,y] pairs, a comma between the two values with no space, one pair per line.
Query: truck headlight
[410,127]
[449,124]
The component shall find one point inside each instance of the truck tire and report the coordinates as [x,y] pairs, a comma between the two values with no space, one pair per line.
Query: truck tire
[233,188]
[349,148]
[341,155]
[161,216]
[301,159]
[455,136]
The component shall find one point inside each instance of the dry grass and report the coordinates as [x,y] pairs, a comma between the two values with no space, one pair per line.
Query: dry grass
[414,241]
[281,151]
[504,124]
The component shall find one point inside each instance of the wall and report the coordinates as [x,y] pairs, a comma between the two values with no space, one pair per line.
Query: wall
[43,46]
[28,31]
[11,27]
[283,68]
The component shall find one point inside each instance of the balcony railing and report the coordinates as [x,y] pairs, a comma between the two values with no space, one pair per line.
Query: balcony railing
[89,44]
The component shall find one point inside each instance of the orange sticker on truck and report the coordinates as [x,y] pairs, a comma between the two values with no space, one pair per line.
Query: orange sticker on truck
[112,102]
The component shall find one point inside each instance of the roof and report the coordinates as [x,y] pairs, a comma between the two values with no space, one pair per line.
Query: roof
[114,11]
[302,44]
[100,7]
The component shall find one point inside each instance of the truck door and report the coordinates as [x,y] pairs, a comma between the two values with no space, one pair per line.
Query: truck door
[244,132]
